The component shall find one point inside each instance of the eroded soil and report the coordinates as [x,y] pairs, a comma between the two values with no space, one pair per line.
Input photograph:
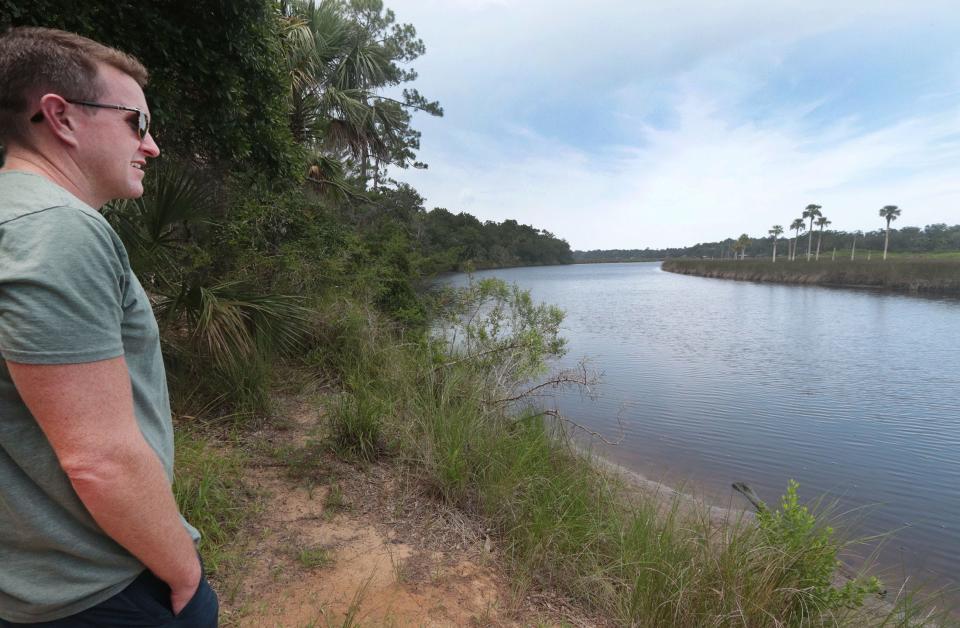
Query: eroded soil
[335,545]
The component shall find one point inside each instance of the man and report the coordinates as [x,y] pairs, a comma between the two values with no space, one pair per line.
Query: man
[90,534]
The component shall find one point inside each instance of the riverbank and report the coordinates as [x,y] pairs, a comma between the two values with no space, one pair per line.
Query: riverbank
[326,542]
[927,276]
[403,480]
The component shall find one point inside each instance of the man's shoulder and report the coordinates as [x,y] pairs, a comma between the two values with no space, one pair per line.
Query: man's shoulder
[29,195]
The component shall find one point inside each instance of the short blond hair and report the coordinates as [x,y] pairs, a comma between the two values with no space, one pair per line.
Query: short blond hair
[36,61]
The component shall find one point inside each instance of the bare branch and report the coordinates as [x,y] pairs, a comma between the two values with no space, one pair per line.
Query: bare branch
[556,414]
[578,376]
[399,102]
[473,356]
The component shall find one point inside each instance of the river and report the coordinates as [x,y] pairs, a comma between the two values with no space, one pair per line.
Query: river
[855,394]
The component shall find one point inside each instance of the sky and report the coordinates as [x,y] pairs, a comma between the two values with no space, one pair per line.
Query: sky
[635,124]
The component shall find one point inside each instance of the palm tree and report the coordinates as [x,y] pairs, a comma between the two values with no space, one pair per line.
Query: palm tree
[775,232]
[340,55]
[198,317]
[797,225]
[812,211]
[821,222]
[742,243]
[890,212]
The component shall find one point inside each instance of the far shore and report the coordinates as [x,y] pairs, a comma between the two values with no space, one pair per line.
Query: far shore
[917,276]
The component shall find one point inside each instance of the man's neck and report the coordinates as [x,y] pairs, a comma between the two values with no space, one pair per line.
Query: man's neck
[38,165]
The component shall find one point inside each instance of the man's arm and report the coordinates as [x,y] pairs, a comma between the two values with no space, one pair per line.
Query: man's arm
[86,412]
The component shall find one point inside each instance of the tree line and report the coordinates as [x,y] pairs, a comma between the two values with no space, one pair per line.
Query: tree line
[811,212]
[934,238]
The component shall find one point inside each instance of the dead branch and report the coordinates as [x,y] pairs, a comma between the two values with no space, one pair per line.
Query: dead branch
[556,415]
[473,356]
[578,376]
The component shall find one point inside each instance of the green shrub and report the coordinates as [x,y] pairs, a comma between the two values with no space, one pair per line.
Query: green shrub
[356,426]
[811,551]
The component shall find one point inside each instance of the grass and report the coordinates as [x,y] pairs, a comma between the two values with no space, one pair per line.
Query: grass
[315,557]
[564,523]
[209,492]
[903,273]
[334,501]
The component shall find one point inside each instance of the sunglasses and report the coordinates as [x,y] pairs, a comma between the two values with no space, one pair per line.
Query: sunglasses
[141,126]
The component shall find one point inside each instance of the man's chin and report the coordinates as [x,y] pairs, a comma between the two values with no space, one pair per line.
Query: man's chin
[135,191]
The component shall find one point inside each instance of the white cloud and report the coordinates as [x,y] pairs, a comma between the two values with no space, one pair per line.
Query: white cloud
[705,179]
[692,162]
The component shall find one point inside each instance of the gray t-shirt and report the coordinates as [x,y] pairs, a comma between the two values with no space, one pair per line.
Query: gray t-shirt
[67,295]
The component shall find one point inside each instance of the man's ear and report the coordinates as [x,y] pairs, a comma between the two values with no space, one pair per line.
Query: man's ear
[59,118]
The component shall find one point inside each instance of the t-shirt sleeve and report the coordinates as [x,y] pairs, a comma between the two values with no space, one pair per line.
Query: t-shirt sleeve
[61,289]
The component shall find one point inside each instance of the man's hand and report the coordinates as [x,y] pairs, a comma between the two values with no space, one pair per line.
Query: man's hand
[181,595]
[86,412]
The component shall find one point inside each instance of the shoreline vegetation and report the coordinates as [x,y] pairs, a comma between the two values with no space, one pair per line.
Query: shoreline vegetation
[455,412]
[917,276]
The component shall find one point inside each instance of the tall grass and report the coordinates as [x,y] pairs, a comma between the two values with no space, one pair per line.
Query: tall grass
[209,492]
[562,521]
[939,275]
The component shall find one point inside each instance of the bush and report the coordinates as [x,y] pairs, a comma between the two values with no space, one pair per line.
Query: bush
[810,549]
[356,426]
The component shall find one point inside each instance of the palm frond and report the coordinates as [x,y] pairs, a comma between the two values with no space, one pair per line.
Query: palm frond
[232,326]
[175,195]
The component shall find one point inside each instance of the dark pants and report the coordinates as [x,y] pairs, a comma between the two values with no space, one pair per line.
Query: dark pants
[146,602]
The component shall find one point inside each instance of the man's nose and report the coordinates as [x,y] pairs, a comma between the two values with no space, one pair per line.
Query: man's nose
[149,147]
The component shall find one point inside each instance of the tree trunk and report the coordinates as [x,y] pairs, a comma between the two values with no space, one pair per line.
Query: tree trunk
[774,249]
[853,249]
[886,241]
[363,166]
[810,239]
[819,240]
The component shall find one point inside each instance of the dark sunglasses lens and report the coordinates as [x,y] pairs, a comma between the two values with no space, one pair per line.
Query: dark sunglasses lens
[143,125]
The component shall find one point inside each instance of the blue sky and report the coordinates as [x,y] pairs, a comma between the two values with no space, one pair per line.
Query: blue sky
[618,124]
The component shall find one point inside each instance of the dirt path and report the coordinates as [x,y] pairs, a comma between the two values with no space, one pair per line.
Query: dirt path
[332,545]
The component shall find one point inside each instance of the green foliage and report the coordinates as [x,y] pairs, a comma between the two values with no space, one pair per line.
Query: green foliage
[356,425]
[499,326]
[223,332]
[455,241]
[812,551]
[154,227]
[935,238]
[217,88]
[315,557]
[209,492]
[340,55]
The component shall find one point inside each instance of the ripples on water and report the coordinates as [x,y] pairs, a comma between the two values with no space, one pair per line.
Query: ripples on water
[854,394]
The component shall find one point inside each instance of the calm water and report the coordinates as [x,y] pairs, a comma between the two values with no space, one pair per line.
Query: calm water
[856,395]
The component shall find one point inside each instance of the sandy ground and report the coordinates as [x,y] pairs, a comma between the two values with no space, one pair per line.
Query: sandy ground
[332,545]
